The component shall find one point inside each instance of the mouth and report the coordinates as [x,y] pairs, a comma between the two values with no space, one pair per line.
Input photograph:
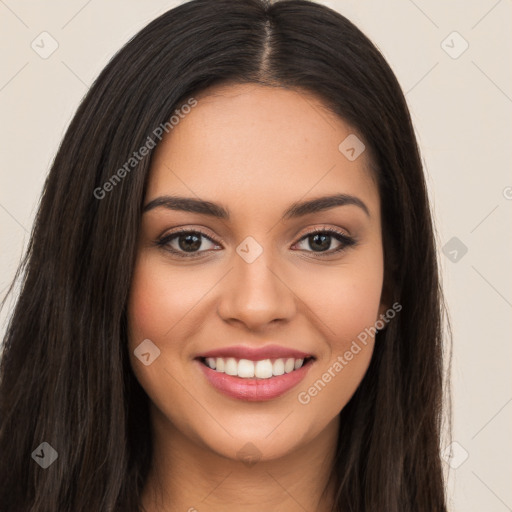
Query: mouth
[260,369]
[254,380]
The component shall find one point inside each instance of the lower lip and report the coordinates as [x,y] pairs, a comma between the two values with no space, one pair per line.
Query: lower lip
[254,390]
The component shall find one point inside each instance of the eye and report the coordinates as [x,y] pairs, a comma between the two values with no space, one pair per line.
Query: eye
[185,243]
[188,243]
[320,240]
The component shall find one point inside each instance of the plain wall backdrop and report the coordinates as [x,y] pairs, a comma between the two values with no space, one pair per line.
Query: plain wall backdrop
[452,60]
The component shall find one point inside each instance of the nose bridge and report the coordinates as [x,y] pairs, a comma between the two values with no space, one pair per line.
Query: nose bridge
[256,293]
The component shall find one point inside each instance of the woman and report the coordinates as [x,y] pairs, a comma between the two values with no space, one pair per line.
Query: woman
[231,297]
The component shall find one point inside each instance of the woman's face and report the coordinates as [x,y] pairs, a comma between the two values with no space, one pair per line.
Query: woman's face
[255,279]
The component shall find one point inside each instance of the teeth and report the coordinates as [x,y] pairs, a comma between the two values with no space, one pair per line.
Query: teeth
[263,369]
[231,367]
[246,369]
[289,365]
[278,367]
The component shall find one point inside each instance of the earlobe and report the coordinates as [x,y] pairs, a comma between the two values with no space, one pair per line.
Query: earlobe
[381,322]
[385,300]
[384,306]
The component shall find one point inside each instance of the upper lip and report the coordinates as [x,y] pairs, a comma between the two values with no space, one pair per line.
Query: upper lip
[256,353]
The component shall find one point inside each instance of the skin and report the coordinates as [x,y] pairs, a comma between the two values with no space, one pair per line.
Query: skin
[255,150]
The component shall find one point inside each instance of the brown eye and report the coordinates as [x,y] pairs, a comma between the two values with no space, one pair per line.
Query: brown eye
[185,243]
[320,240]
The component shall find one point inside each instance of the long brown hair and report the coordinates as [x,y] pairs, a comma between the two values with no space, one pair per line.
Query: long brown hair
[65,374]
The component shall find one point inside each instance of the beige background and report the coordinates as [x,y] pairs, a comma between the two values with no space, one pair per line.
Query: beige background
[461,108]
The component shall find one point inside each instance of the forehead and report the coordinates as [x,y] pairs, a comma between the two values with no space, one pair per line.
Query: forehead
[257,144]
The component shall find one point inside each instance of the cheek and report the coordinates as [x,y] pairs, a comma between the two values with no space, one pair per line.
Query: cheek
[355,305]
[346,307]
[160,308]
[346,300]
[160,299]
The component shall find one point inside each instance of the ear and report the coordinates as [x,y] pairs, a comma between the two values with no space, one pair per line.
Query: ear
[383,307]
[390,268]
[382,310]
[386,297]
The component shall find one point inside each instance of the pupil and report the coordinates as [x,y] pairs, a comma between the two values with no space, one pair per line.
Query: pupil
[324,238]
[191,238]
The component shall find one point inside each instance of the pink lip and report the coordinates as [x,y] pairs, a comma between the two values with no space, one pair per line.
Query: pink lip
[256,354]
[254,390]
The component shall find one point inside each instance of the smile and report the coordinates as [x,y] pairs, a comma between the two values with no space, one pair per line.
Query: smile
[247,369]
[260,387]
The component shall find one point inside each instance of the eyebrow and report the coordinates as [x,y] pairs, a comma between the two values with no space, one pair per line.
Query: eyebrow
[297,209]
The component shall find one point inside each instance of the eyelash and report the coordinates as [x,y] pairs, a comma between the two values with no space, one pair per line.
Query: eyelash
[346,241]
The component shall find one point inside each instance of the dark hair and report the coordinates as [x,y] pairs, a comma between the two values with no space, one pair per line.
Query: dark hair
[65,372]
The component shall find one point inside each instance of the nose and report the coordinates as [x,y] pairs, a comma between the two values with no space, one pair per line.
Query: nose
[255,294]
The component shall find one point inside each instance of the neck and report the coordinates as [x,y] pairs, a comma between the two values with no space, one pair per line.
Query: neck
[186,476]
